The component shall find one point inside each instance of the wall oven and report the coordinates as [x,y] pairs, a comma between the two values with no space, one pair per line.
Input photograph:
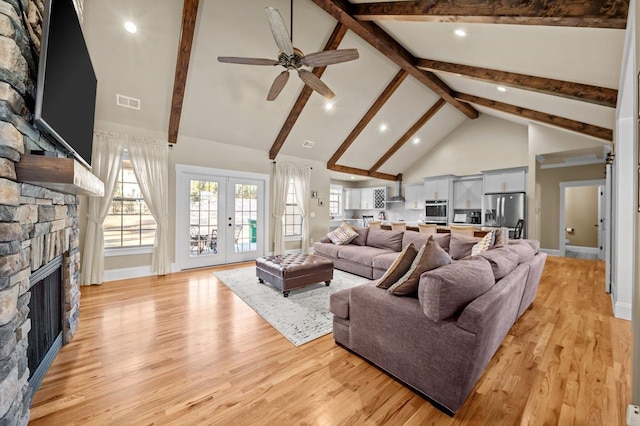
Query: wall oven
[436,211]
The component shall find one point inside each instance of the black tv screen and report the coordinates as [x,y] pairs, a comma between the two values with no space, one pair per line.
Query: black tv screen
[66,87]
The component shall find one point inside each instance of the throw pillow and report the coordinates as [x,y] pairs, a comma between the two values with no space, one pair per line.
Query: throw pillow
[430,256]
[501,237]
[461,245]
[447,290]
[485,244]
[399,267]
[343,234]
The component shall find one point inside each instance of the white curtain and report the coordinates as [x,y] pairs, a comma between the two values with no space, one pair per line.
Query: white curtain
[106,163]
[301,176]
[280,187]
[150,161]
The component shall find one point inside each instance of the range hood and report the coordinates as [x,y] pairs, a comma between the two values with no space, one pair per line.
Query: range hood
[397,198]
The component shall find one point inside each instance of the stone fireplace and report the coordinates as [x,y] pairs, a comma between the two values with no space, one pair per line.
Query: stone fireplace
[37,225]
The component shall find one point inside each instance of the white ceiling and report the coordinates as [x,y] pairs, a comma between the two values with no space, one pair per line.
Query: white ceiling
[227,103]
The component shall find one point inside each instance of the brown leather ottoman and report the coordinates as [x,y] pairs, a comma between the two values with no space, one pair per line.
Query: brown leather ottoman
[291,271]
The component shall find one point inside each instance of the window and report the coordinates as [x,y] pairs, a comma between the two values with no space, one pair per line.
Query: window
[129,222]
[335,200]
[292,217]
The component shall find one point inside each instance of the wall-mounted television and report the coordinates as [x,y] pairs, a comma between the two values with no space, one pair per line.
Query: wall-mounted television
[66,86]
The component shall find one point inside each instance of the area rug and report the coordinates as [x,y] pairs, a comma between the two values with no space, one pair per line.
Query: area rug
[301,317]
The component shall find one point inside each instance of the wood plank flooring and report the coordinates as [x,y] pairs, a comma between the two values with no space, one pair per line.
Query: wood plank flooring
[183,349]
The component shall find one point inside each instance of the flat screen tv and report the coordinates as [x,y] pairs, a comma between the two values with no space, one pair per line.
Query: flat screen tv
[66,86]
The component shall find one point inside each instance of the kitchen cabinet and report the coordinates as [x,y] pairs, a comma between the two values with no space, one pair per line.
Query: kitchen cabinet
[512,180]
[414,197]
[437,188]
[379,198]
[351,199]
[366,199]
[467,195]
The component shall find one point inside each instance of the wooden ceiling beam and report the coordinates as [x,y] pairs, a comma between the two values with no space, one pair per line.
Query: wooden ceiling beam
[388,46]
[368,116]
[409,133]
[577,13]
[363,172]
[332,44]
[553,120]
[576,91]
[189,15]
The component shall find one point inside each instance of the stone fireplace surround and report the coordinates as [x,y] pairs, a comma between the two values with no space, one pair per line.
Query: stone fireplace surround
[36,223]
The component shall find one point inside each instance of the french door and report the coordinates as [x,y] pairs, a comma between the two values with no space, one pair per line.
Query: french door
[219,218]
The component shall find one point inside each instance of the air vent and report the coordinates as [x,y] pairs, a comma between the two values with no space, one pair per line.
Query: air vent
[308,144]
[127,102]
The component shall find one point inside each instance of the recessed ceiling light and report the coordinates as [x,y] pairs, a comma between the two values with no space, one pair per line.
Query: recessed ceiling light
[383,127]
[328,106]
[353,177]
[460,32]
[416,140]
[501,89]
[131,27]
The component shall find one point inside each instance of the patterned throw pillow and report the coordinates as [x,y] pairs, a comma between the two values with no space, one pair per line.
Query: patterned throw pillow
[484,244]
[399,266]
[430,256]
[343,234]
[501,238]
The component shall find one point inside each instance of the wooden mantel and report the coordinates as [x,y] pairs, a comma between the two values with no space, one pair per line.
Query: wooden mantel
[59,174]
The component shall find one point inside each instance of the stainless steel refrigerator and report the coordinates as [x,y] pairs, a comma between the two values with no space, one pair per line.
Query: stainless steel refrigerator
[504,209]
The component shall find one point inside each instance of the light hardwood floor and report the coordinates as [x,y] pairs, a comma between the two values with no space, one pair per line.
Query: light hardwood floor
[183,349]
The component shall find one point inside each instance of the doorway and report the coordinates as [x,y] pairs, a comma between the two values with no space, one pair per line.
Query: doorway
[220,216]
[582,219]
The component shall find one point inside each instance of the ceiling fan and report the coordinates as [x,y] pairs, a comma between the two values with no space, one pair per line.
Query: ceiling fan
[292,58]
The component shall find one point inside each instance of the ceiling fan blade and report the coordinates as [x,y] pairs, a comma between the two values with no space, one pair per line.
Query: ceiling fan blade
[328,57]
[279,31]
[247,61]
[315,83]
[278,85]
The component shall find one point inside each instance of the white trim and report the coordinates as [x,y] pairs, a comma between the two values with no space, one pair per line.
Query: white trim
[562,221]
[127,251]
[127,273]
[622,311]
[581,249]
[573,163]
[551,252]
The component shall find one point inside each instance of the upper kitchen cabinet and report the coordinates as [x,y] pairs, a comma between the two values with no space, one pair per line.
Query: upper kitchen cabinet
[438,187]
[351,199]
[467,194]
[508,180]
[414,197]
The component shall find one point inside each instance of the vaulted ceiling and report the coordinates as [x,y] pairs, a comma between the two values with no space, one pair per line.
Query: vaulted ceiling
[559,63]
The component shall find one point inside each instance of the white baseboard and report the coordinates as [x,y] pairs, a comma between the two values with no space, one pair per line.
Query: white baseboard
[580,249]
[622,311]
[126,273]
[551,252]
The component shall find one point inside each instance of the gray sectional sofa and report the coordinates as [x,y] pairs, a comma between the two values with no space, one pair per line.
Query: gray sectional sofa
[440,342]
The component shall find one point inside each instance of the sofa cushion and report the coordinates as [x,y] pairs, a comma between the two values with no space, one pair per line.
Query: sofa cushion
[485,244]
[399,267]
[443,240]
[461,245]
[325,239]
[361,239]
[501,237]
[503,260]
[339,303]
[417,238]
[327,249]
[430,256]
[343,234]
[360,254]
[384,239]
[384,261]
[535,244]
[524,251]
[445,291]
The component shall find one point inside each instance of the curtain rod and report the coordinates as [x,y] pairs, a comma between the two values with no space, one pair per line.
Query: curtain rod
[129,137]
[275,162]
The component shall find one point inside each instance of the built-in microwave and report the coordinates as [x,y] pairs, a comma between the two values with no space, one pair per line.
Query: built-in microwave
[436,211]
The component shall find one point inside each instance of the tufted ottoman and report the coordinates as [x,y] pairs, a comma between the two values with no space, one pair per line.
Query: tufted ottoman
[291,271]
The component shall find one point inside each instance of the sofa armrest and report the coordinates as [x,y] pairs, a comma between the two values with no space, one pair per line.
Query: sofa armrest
[339,303]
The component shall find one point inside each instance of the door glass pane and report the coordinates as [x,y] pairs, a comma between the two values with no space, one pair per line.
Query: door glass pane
[246,217]
[203,215]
